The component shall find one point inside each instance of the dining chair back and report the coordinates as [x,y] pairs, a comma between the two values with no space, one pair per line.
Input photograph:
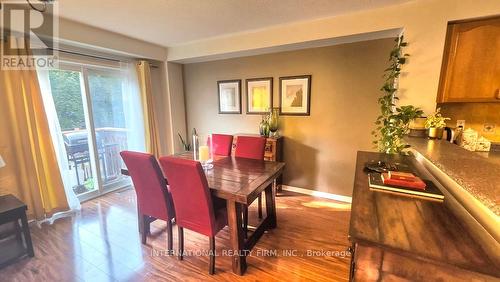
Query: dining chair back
[194,206]
[250,147]
[222,144]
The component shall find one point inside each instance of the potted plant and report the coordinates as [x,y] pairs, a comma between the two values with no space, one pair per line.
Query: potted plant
[185,145]
[393,122]
[435,124]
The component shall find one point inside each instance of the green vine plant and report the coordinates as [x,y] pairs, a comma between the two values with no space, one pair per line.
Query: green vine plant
[393,122]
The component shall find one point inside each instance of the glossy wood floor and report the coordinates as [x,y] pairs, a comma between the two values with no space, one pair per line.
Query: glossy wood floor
[103,244]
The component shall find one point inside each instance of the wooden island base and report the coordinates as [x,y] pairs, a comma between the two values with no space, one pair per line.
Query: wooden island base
[376,264]
[396,237]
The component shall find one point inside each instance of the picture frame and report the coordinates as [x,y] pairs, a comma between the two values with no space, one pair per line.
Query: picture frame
[259,95]
[229,96]
[295,95]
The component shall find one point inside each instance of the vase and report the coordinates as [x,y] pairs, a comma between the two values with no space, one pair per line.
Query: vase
[273,121]
[266,130]
[435,133]
[264,127]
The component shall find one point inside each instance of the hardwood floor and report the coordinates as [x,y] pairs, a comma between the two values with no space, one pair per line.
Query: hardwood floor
[103,244]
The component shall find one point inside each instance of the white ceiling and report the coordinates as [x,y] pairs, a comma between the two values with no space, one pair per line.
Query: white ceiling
[175,22]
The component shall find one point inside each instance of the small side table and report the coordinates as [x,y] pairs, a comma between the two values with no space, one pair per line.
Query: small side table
[13,210]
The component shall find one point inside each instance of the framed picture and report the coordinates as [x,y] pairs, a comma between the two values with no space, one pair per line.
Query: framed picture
[295,95]
[259,95]
[229,96]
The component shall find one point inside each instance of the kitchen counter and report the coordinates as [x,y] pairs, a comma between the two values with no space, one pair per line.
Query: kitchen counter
[476,172]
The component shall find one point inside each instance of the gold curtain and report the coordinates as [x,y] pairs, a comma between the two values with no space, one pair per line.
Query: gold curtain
[32,172]
[150,124]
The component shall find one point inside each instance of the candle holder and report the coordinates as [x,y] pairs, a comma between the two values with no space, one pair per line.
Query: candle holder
[203,150]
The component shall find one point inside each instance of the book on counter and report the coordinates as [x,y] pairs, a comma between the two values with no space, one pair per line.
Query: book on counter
[404,179]
[400,175]
[376,182]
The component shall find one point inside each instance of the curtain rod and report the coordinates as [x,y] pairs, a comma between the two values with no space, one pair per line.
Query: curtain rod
[92,56]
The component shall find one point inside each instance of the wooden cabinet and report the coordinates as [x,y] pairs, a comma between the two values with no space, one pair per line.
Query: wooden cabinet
[274,149]
[12,210]
[471,62]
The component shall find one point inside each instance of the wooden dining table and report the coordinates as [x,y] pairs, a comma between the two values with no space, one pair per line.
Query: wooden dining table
[240,181]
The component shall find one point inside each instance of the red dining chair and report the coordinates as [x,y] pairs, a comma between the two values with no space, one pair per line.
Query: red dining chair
[195,208]
[153,198]
[222,144]
[251,148]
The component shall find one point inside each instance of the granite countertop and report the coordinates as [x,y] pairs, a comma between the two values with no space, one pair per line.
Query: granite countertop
[477,172]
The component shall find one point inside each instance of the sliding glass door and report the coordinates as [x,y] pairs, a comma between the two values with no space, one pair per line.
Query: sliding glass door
[68,93]
[99,113]
[108,120]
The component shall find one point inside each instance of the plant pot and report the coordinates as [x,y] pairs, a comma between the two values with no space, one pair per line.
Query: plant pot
[418,132]
[435,133]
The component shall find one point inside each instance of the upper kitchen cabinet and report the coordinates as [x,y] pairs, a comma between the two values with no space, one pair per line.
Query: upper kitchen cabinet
[471,62]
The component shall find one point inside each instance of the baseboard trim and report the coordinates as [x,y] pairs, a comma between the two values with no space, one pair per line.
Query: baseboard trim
[320,194]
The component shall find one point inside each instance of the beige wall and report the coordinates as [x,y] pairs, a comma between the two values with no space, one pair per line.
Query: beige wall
[177,105]
[320,150]
[103,40]
[424,23]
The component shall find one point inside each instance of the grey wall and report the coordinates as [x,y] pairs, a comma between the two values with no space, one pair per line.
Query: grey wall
[319,149]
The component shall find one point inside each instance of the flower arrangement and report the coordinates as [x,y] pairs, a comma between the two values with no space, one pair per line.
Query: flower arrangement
[436,120]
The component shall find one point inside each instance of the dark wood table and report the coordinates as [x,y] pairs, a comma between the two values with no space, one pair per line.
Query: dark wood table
[409,237]
[13,210]
[240,181]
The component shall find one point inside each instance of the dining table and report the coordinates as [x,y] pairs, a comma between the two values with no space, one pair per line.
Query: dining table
[240,181]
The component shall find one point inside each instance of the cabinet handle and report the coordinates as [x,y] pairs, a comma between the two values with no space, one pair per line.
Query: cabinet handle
[497,95]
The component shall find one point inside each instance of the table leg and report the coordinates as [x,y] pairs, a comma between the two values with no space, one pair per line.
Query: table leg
[279,182]
[140,221]
[27,237]
[271,205]
[352,250]
[236,234]
[19,231]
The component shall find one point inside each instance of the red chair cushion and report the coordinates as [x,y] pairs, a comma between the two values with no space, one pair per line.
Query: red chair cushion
[194,207]
[153,198]
[250,147]
[222,144]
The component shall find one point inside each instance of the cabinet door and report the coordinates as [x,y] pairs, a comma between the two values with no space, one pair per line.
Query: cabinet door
[471,70]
